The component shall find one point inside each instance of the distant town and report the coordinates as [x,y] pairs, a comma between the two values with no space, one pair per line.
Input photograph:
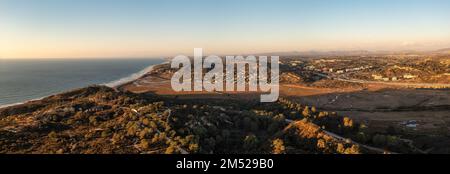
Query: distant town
[430,71]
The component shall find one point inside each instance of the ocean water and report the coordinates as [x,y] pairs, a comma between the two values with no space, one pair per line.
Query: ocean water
[23,80]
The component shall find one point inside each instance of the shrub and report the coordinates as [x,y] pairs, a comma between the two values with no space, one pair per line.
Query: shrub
[313,109]
[144,144]
[278,146]
[173,148]
[352,150]
[361,137]
[392,140]
[143,134]
[306,112]
[193,147]
[116,138]
[321,144]
[93,120]
[106,133]
[146,121]
[250,142]
[52,135]
[340,148]
[379,140]
[322,114]
[348,122]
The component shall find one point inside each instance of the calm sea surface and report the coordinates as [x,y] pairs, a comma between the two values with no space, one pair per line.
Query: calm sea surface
[22,80]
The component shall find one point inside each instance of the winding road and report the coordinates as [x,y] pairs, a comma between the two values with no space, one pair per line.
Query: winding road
[375,149]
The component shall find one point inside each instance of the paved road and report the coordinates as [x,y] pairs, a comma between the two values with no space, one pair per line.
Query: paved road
[381,151]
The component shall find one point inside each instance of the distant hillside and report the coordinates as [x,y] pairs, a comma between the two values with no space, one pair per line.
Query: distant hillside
[443,51]
[318,53]
[352,53]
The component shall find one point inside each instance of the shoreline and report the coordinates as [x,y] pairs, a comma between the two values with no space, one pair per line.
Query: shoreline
[131,78]
[115,84]
[119,87]
[24,102]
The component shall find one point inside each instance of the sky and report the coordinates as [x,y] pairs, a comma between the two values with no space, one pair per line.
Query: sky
[155,28]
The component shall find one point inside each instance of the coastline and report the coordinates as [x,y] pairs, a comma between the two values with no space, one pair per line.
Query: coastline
[142,74]
[21,103]
[130,78]
[116,84]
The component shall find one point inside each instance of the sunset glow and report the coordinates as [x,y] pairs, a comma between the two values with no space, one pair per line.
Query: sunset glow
[85,28]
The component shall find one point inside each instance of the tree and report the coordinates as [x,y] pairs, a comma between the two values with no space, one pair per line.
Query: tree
[323,114]
[144,144]
[226,133]
[361,137]
[273,127]
[210,143]
[352,150]
[173,147]
[200,130]
[93,120]
[170,150]
[250,142]
[313,109]
[193,147]
[278,146]
[348,122]
[247,123]
[146,121]
[116,138]
[391,130]
[363,127]
[279,117]
[106,133]
[52,135]
[340,148]
[144,133]
[379,140]
[392,140]
[321,144]
[306,112]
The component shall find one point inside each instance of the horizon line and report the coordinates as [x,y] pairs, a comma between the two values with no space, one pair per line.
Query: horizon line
[224,54]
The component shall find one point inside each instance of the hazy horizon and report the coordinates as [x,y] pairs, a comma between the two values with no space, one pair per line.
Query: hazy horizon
[122,29]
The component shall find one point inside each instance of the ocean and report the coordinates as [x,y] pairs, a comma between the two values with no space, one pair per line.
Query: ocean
[22,80]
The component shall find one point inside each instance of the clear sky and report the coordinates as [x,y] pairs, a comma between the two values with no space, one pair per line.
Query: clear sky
[146,28]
